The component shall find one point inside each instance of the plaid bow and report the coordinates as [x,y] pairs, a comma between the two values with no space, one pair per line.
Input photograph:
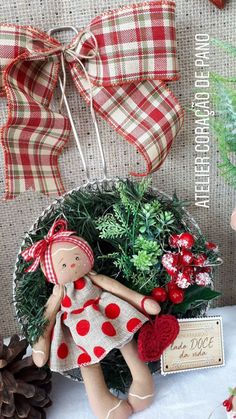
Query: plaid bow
[136,55]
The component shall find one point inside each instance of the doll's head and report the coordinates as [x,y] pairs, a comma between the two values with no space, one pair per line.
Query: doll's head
[63,257]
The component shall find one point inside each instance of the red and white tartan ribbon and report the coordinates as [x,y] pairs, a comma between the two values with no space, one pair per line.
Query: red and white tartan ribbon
[135,56]
[41,251]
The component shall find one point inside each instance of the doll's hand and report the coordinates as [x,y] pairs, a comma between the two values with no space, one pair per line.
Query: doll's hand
[150,306]
[41,348]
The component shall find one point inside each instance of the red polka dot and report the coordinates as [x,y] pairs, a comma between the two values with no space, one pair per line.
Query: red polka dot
[81,347]
[64,316]
[112,311]
[108,329]
[78,311]
[89,303]
[83,327]
[83,359]
[62,351]
[79,284]
[133,324]
[66,302]
[99,351]
[95,307]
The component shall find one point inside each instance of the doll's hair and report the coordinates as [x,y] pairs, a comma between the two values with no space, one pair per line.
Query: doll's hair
[41,251]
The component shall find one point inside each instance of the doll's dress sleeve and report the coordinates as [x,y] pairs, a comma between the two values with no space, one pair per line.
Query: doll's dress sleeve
[90,323]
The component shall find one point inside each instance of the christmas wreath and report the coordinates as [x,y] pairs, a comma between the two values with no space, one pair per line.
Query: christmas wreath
[139,236]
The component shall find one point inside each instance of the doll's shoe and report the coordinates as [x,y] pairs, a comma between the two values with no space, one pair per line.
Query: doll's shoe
[122,410]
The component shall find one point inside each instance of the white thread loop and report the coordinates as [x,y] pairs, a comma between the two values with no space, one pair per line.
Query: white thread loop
[114,408]
[38,352]
[141,397]
[73,51]
[77,56]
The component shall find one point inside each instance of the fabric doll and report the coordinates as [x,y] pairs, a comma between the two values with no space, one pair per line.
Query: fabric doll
[89,315]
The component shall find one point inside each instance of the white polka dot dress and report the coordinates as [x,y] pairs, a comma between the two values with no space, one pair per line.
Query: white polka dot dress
[89,325]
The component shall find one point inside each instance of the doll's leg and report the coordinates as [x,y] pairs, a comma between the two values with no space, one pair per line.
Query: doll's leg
[142,388]
[102,402]
[41,348]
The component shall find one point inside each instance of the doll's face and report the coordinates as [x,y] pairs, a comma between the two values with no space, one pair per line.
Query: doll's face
[69,262]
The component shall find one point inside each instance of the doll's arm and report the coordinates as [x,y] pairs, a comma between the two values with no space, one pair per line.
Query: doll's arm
[41,348]
[132,297]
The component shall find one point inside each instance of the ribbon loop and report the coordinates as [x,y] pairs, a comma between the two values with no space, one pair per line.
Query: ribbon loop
[58,227]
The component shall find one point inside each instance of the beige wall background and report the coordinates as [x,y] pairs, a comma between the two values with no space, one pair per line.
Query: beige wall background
[16,217]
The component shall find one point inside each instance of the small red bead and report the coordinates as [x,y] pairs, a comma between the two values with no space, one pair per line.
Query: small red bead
[212,246]
[200,260]
[159,294]
[172,285]
[176,296]
[186,240]
[186,257]
[173,240]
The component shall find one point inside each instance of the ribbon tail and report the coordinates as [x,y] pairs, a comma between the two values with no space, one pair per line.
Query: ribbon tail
[34,135]
[34,266]
[146,114]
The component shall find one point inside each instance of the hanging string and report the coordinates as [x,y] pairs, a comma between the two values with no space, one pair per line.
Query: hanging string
[78,57]
[65,50]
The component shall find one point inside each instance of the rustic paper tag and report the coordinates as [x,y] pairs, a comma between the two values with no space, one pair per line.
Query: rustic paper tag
[198,345]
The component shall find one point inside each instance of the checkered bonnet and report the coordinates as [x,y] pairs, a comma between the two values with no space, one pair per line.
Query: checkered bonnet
[41,251]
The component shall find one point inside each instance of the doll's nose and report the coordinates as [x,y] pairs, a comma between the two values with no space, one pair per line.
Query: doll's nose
[73,265]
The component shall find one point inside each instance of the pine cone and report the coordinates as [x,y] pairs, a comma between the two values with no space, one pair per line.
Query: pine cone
[24,388]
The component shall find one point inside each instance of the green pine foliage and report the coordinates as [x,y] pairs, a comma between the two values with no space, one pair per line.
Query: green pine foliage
[139,232]
[224,123]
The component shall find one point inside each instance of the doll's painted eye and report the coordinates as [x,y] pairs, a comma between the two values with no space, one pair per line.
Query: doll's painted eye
[77,258]
[64,265]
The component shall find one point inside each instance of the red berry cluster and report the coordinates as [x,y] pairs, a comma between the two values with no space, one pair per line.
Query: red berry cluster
[228,403]
[184,267]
